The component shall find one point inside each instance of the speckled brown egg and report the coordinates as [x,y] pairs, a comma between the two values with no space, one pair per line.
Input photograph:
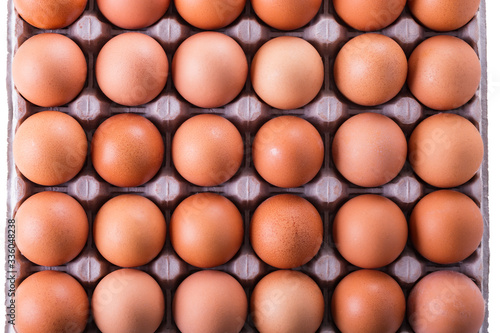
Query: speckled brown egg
[133,14]
[209,69]
[443,72]
[50,148]
[51,228]
[296,301]
[50,14]
[209,14]
[368,301]
[286,14]
[370,69]
[209,302]
[287,72]
[369,15]
[128,300]
[445,150]
[49,70]
[445,302]
[443,15]
[129,230]
[370,231]
[51,301]
[131,69]
[127,150]
[206,230]
[288,151]
[369,149]
[286,231]
[446,226]
[207,150]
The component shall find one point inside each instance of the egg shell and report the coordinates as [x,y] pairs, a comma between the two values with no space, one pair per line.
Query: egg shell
[443,15]
[209,14]
[51,301]
[50,14]
[369,15]
[286,14]
[50,148]
[209,302]
[128,300]
[49,70]
[133,14]
[287,302]
[288,151]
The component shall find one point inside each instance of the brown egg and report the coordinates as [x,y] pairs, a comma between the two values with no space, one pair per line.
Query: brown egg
[370,231]
[286,231]
[368,301]
[207,150]
[287,72]
[443,72]
[369,149]
[127,150]
[445,150]
[209,69]
[49,70]
[131,69]
[50,148]
[129,230]
[50,14]
[443,15]
[287,301]
[51,228]
[445,302]
[209,302]
[133,14]
[209,14]
[370,69]
[206,230]
[369,15]
[128,300]
[51,301]
[446,226]
[286,14]
[288,151]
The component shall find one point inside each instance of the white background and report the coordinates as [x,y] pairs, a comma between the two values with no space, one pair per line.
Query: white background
[493,27]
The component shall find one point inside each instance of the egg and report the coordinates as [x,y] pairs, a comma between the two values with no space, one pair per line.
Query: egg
[445,302]
[206,230]
[50,148]
[286,14]
[287,301]
[50,14]
[287,72]
[286,231]
[131,69]
[443,72]
[446,226]
[369,149]
[368,301]
[443,15]
[370,69]
[370,231]
[133,14]
[209,69]
[209,14]
[129,230]
[209,302]
[445,150]
[51,228]
[49,70]
[207,150]
[128,300]
[369,15]
[127,150]
[51,301]
[288,151]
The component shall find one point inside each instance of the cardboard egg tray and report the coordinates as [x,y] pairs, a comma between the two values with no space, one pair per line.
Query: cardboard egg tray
[327,191]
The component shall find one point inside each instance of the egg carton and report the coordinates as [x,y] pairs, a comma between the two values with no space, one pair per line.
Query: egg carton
[327,191]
